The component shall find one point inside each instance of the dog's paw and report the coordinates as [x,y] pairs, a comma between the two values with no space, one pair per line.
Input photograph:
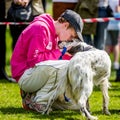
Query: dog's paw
[106,112]
[93,118]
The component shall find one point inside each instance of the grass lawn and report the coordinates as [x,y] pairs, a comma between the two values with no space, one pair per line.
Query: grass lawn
[11,108]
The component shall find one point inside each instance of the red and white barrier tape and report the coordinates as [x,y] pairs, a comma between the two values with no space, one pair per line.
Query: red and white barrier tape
[91,20]
[14,23]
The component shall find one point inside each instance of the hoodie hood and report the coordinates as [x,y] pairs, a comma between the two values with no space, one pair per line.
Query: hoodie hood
[46,20]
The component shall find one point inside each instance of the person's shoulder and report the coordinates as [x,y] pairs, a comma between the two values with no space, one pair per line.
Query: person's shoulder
[46,15]
[41,22]
[43,16]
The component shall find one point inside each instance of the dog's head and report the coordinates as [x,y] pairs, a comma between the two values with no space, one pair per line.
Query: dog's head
[79,47]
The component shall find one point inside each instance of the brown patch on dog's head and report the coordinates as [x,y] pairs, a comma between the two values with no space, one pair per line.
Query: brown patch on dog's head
[80,47]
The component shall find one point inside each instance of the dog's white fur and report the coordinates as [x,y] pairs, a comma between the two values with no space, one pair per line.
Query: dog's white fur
[86,69]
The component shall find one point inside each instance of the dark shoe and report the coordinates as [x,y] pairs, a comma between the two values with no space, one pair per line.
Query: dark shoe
[117,75]
[117,79]
[3,75]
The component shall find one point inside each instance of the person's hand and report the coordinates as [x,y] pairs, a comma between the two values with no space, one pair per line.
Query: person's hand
[21,2]
[62,45]
[67,53]
[69,47]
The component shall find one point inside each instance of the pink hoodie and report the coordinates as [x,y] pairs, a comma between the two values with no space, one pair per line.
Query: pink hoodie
[38,42]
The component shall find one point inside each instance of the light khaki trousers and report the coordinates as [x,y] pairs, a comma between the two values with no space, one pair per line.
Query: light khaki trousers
[41,80]
[35,78]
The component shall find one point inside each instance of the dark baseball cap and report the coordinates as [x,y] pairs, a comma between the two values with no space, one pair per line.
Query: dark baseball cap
[75,20]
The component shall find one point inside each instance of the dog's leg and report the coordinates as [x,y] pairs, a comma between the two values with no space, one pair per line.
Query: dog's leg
[88,105]
[86,90]
[104,88]
[82,102]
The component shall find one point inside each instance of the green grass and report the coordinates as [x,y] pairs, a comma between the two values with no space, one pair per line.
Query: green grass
[8,50]
[11,108]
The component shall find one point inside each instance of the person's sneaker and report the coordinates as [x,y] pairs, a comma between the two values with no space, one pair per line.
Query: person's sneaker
[26,99]
[116,65]
[37,107]
[28,104]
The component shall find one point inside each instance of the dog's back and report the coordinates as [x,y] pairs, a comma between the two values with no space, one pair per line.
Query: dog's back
[88,67]
[99,61]
[89,57]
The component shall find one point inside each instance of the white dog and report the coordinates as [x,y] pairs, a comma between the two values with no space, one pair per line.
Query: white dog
[88,68]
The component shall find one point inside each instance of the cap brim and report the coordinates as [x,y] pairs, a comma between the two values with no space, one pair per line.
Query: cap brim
[80,36]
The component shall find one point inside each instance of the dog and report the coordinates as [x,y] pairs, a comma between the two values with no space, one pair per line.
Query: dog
[88,67]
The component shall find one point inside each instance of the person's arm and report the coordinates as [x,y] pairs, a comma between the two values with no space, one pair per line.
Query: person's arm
[21,2]
[41,47]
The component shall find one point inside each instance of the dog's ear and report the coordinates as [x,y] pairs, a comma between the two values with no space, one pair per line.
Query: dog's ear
[80,47]
[75,49]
